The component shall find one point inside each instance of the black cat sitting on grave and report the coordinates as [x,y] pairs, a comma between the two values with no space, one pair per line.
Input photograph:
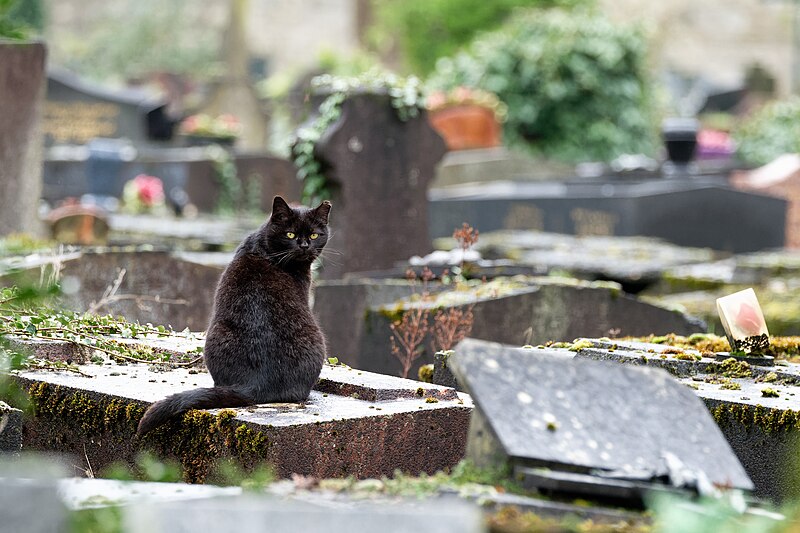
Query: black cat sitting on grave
[263,344]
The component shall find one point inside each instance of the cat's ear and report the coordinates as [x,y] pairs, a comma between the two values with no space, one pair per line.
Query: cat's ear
[322,211]
[280,209]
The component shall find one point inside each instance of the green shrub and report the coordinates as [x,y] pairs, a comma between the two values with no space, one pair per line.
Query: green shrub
[771,131]
[576,85]
[425,30]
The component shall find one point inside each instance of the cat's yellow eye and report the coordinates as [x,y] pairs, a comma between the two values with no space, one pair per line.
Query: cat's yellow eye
[314,236]
[291,235]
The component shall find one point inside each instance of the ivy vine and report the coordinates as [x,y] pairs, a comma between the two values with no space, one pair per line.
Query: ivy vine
[230,187]
[103,334]
[406,98]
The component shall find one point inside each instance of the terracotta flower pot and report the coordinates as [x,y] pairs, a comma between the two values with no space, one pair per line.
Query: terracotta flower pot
[466,126]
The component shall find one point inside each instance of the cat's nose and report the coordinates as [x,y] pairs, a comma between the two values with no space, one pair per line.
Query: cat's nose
[303,244]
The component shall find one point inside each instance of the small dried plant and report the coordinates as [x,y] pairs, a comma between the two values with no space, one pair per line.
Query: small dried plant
[450,327]
[409,332]
[466,236]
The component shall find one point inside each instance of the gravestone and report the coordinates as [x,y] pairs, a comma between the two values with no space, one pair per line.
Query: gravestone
[155,287]
[356,315]
[78,111]
[588,422]
[268,514]
[670,209]
[22,66]
[380,168]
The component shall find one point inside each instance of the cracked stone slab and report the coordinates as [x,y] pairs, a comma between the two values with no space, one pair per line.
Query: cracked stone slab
[544,408]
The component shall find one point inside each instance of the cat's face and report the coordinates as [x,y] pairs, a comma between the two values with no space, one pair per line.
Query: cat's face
[297,234]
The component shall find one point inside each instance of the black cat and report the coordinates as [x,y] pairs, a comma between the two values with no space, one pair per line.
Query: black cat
[263,344]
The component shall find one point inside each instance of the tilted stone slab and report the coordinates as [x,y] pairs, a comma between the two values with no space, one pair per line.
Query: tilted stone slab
[391,424]
[763,431]
[543,408]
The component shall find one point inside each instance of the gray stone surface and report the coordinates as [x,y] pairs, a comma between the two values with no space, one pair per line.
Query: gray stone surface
[10,428]
[356,423]
[541,408]
[22,73]
[30,505]
[252,513]
[380,168]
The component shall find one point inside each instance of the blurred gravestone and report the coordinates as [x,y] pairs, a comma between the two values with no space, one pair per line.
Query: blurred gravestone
[252,513]
[29,499]
[21,90]
[78,111]
[540,409]
[380,168]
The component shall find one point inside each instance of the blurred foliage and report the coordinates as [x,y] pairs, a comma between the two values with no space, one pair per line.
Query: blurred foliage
[148,36]
[576,85]
[20,18]
[425,30]
[771,131]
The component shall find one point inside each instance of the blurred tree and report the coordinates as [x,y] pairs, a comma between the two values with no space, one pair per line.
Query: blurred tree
[20,18]
[152,36]
[576,85]
[425,30]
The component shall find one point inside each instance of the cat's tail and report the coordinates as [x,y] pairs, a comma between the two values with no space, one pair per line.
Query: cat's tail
[207,398]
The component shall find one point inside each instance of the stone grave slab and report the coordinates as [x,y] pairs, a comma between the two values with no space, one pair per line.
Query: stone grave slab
[670,209]
[29,496]
[10,428]
[362,425]
[251,513]
[761,430]
[634,262]
[540,409]
[157,287]
[525,311]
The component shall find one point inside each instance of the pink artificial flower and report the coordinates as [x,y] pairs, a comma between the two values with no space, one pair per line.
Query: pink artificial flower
[150,189]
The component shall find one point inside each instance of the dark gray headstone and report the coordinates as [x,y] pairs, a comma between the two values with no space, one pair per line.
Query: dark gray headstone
[78,111]
[250,514]
[671,209]
[540,408]
[381,168]
[21,97]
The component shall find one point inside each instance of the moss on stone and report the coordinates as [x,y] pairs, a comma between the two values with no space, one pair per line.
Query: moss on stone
[198,439]
[771,421]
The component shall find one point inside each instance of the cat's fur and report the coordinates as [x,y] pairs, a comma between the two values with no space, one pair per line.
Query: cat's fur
[263,344]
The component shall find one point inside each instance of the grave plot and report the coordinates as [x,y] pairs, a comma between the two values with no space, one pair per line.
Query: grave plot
[572,426]
[356,423]
[510,310]
[755,406]
[773,275]
[138,283]
[634,262]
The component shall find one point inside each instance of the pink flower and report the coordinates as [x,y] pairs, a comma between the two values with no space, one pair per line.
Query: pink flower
[150,189]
